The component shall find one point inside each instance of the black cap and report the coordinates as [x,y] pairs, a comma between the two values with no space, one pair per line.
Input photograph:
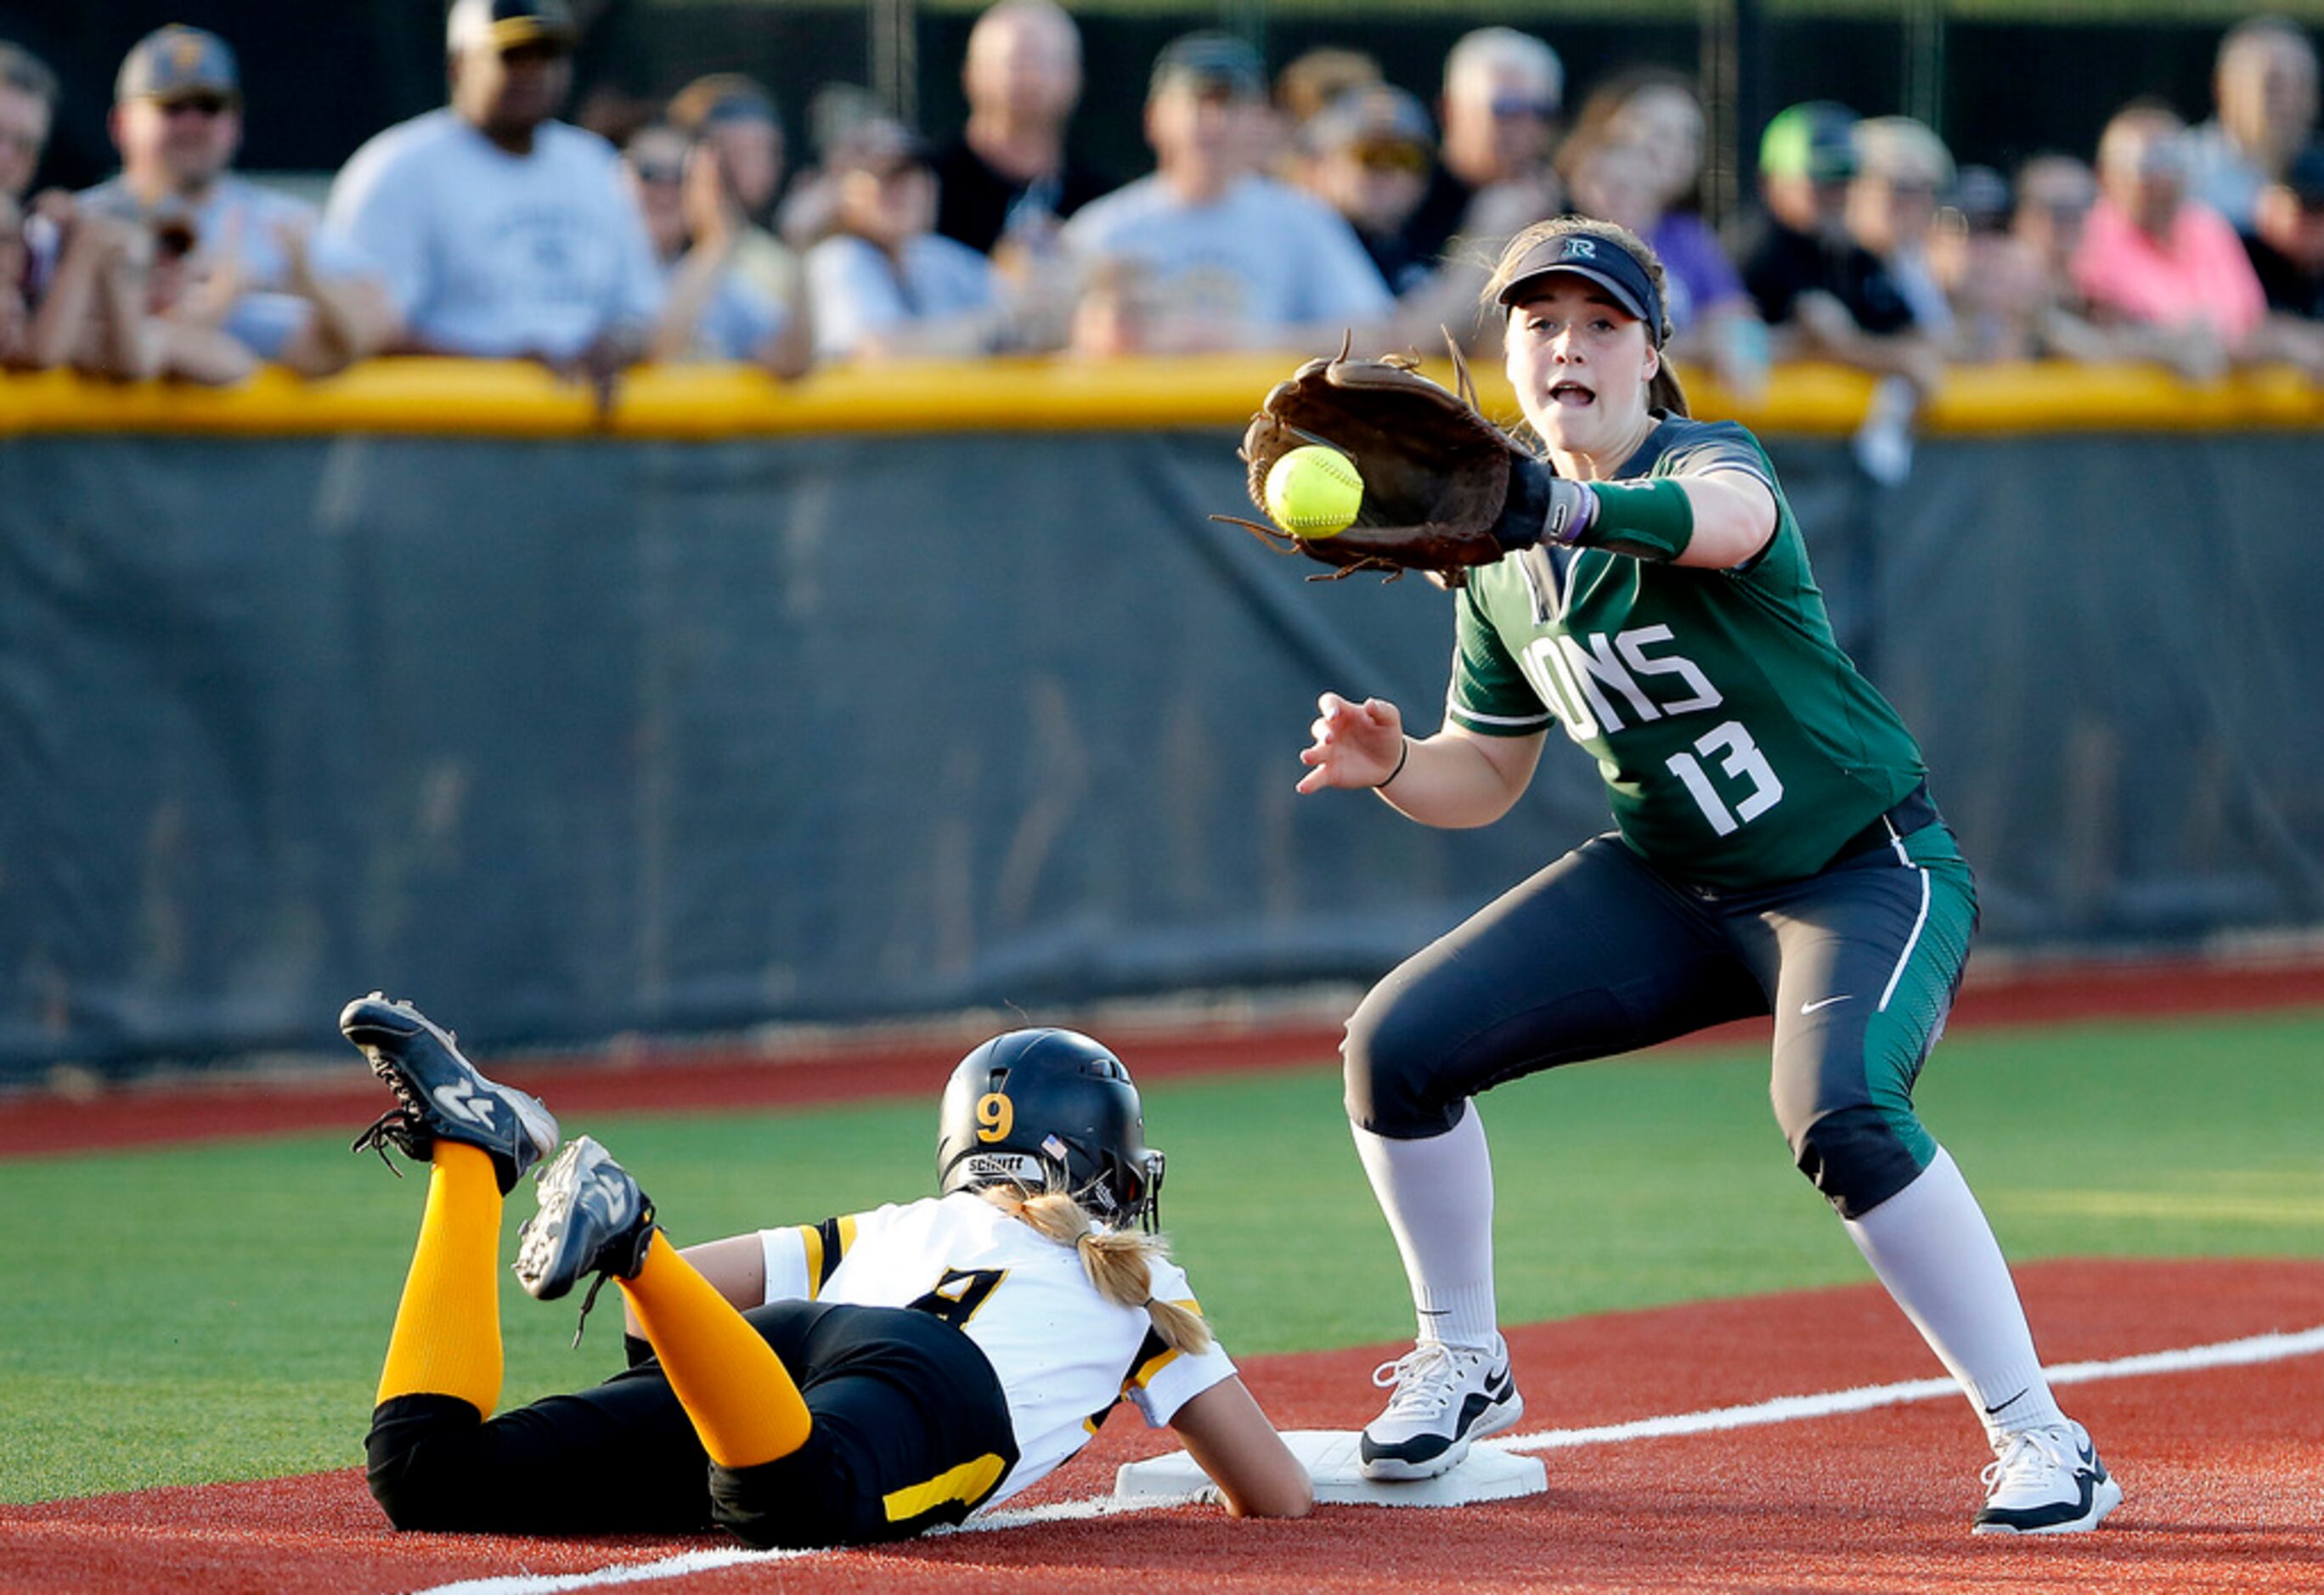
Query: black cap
[1210,60]
[507,24]
[173,62]
[1601,259]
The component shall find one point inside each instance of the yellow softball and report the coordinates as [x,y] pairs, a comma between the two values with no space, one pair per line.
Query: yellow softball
[1314,491]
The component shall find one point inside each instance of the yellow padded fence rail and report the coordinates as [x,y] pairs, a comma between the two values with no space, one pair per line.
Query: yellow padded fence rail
[466,398]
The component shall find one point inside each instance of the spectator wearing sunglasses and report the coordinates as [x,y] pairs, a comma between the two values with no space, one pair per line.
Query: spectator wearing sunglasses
[220,241]
[715,311]
[1368,153]
[1504,94]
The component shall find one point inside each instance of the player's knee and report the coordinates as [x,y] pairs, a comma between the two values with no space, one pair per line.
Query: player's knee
[428,1465]
[1390,1057]
[803,1501]
[1856,1156]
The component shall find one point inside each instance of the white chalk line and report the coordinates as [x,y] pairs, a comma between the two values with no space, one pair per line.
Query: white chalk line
[1781,1409]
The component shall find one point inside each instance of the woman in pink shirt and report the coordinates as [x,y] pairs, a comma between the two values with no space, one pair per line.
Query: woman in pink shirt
[2151,256]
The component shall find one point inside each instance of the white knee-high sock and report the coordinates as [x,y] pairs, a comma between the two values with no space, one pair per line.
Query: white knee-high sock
[1931,1247]
[1438,1196]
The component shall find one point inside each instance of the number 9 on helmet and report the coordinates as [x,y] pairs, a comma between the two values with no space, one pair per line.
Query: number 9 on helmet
[1049,1109]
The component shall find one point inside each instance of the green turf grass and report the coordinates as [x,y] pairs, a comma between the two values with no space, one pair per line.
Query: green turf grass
[219,1311]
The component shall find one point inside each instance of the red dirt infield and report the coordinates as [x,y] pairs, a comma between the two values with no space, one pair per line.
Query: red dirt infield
[2223,1468]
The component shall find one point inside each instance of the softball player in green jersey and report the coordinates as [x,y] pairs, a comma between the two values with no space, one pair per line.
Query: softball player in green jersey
[1776,850]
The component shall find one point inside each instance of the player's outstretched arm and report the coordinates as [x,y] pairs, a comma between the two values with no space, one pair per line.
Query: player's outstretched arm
[1231,1439]
[1453,779]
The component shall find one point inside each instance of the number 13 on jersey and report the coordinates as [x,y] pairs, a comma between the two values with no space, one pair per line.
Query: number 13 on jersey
[1756,787]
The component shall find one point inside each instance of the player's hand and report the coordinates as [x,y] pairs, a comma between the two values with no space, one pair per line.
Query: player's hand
[1356,745]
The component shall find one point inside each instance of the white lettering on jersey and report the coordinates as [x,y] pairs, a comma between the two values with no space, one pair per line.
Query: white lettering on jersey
[1598,664]
[1569,672]
[1545,670]
[1743,761]
[1632,644]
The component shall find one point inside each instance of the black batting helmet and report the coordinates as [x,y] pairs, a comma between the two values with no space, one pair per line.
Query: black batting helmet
[1047,1110]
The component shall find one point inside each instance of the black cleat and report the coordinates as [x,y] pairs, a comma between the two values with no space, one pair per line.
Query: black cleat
[440,1095]
[592,1219]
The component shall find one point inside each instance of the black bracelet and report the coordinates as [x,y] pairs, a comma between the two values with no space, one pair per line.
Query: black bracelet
[1382,783]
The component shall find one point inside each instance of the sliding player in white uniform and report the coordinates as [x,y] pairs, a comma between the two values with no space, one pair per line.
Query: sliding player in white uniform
[856,1380]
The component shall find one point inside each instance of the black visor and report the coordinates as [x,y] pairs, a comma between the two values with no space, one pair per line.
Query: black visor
[1601,259]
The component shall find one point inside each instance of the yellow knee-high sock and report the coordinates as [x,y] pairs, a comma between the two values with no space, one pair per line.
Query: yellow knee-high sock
[447,1340]
[739,1396]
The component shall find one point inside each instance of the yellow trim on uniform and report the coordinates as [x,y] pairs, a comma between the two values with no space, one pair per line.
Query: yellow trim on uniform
[846,1237]
[811,1237]
[1141,1376]
[968,1484]
[515,399]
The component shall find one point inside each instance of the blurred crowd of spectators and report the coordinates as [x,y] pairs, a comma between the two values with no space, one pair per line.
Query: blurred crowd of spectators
[1278,214]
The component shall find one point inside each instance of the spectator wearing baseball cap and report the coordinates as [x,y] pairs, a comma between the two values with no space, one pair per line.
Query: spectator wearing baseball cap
[1010,173]
[1824,295]
[1226,258]
[494,229]
[885,284]
[1367,157]
[733,173]
[177,121]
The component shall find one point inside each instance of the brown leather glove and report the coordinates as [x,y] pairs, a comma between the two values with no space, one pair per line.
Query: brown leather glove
[1437,474]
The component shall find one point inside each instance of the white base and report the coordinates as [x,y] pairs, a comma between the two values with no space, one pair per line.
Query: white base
[1329,1455]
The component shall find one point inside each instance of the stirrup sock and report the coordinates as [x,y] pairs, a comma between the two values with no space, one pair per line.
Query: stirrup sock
[742,1401]
[447,1340]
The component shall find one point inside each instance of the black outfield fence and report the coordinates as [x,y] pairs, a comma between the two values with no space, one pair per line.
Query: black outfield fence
[571,736]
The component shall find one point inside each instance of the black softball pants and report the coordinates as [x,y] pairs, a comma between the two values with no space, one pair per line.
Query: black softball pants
[1599,954]
[910,1429]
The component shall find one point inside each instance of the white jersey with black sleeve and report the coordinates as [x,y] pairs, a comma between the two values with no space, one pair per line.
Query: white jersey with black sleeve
[1064,1354]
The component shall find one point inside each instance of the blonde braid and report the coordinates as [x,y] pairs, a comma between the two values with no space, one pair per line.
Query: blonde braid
[1117,1261]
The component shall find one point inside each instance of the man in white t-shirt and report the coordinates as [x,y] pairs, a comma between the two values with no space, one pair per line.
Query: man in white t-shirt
[494,229]
[1220,256]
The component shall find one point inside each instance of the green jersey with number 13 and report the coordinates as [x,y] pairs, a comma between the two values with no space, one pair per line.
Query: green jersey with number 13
[1738,744]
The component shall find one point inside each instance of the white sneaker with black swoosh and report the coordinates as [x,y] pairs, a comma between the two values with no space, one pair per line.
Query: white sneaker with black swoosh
[2046,1481]
[1446,1396]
